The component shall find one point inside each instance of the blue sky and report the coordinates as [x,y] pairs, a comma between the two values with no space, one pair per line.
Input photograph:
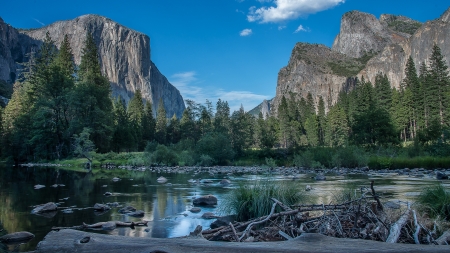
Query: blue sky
[228,49]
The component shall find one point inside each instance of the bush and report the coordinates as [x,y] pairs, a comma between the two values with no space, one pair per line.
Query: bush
[270,162]
[217,146]
[206,160]
[252,201]
[151,147]
[304,159]
[436,201]
[185,158]
[164,156]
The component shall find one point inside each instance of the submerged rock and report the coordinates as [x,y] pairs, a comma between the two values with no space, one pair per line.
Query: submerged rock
[225,182]
[195,210]
[48,207]
[127,209]
[101,207]
[17,237]
[223,221]
[138,213]
[208,200]
[209,215]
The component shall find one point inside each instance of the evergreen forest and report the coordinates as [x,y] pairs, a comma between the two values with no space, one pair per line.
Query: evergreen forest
[62,111]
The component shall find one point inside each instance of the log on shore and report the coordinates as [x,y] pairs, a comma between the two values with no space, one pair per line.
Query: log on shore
[68,241]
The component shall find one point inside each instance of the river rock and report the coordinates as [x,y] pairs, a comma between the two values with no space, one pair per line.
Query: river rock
[207,181]
[195,210]
[110,225]
[39,186]
[116,179]
[223,221]
[107,193]
[67,211]
[127,209]
[320,178]
[225,182]
[209,215]
[138,213]
[208,200]
[101,207]
[308,188]
[17,237]
[49,207]
[441,176]
[161,180]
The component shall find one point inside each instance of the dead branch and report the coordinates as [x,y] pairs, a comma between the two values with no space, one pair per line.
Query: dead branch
[395,230]
[234,233]
[416,233]
[258,222]
[442,240]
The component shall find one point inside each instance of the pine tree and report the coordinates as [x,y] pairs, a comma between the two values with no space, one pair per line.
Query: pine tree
[337,128]
[414,96]
[161,124]
[321,118]
[173,130]
[136,113]
[383,91]
[222,117]
[440,81]
[148,124]
[123,138]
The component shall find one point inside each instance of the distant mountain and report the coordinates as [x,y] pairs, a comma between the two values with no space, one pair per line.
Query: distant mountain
[124,56]
[364,47]
[264,108]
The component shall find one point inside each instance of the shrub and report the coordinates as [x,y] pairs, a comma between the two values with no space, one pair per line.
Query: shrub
[304,159]
[151,147]
[252,201]
[164,155]
[436,201]
[270,162]
[185,158]
[206,160]
[217,146]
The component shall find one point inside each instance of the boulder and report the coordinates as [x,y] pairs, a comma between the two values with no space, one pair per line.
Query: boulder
[209,215]
[107,193]
[49,207]
[441,176]
[208,200]
[39,186]
[161,180]
[195,210]
[127,209]
[138,213]
[308,188]
[101,207]
[17,237]
[320,178]
[225,182]
[223,221]
[116,179]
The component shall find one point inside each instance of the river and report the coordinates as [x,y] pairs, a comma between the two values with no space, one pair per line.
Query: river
[165,205]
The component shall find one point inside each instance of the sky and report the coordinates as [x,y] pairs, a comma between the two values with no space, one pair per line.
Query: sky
[227,49]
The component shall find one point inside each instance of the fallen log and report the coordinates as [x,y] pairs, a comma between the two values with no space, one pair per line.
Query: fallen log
[70,241]
[395,230]
[444,238]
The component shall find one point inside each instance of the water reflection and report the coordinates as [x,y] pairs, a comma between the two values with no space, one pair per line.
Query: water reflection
[165,205]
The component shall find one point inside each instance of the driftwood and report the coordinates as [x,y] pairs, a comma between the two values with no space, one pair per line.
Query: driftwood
[73,241]
[106,225]
[442,240]
[361,218]
[395,230]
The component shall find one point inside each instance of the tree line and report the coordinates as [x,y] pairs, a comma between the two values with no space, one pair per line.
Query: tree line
[55,102]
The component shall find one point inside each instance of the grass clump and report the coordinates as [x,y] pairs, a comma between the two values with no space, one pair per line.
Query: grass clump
[435,200]
[250,201]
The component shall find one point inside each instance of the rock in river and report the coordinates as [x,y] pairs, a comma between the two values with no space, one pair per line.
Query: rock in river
[101,207]
[39,186]
[208,200]
[17,237]
[127,209]
[161,180]
[49,207]
[138,213]
[441,176]
[209,215]
[195,210]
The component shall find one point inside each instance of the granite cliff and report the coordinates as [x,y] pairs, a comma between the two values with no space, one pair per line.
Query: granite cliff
[364,47]
[124,55]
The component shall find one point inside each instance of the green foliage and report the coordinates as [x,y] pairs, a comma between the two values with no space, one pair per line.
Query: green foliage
[426,162]
[345,68]
[270,162]
[404,27]
[435,200]
[5,90]
[164,156]
[82,145]
[186,158]
[253,199]
[217,146]
[206,160]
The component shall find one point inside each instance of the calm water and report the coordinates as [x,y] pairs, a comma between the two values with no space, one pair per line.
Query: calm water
[165,205]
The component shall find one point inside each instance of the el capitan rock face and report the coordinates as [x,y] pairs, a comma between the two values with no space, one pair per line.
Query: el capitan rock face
[10,52]
[125,57]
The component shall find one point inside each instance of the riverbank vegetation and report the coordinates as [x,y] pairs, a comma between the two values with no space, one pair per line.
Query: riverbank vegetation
[59,112]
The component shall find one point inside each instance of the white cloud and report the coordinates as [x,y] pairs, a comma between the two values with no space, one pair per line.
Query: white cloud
[289,9]
[281,27]
[301,28]
[246,32]
[187,84]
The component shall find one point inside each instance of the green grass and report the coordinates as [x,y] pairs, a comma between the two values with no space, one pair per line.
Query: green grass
[435,200]
[426,162]
[252,200]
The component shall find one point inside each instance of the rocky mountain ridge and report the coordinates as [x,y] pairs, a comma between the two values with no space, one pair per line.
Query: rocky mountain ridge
[125,57]
[364,47]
